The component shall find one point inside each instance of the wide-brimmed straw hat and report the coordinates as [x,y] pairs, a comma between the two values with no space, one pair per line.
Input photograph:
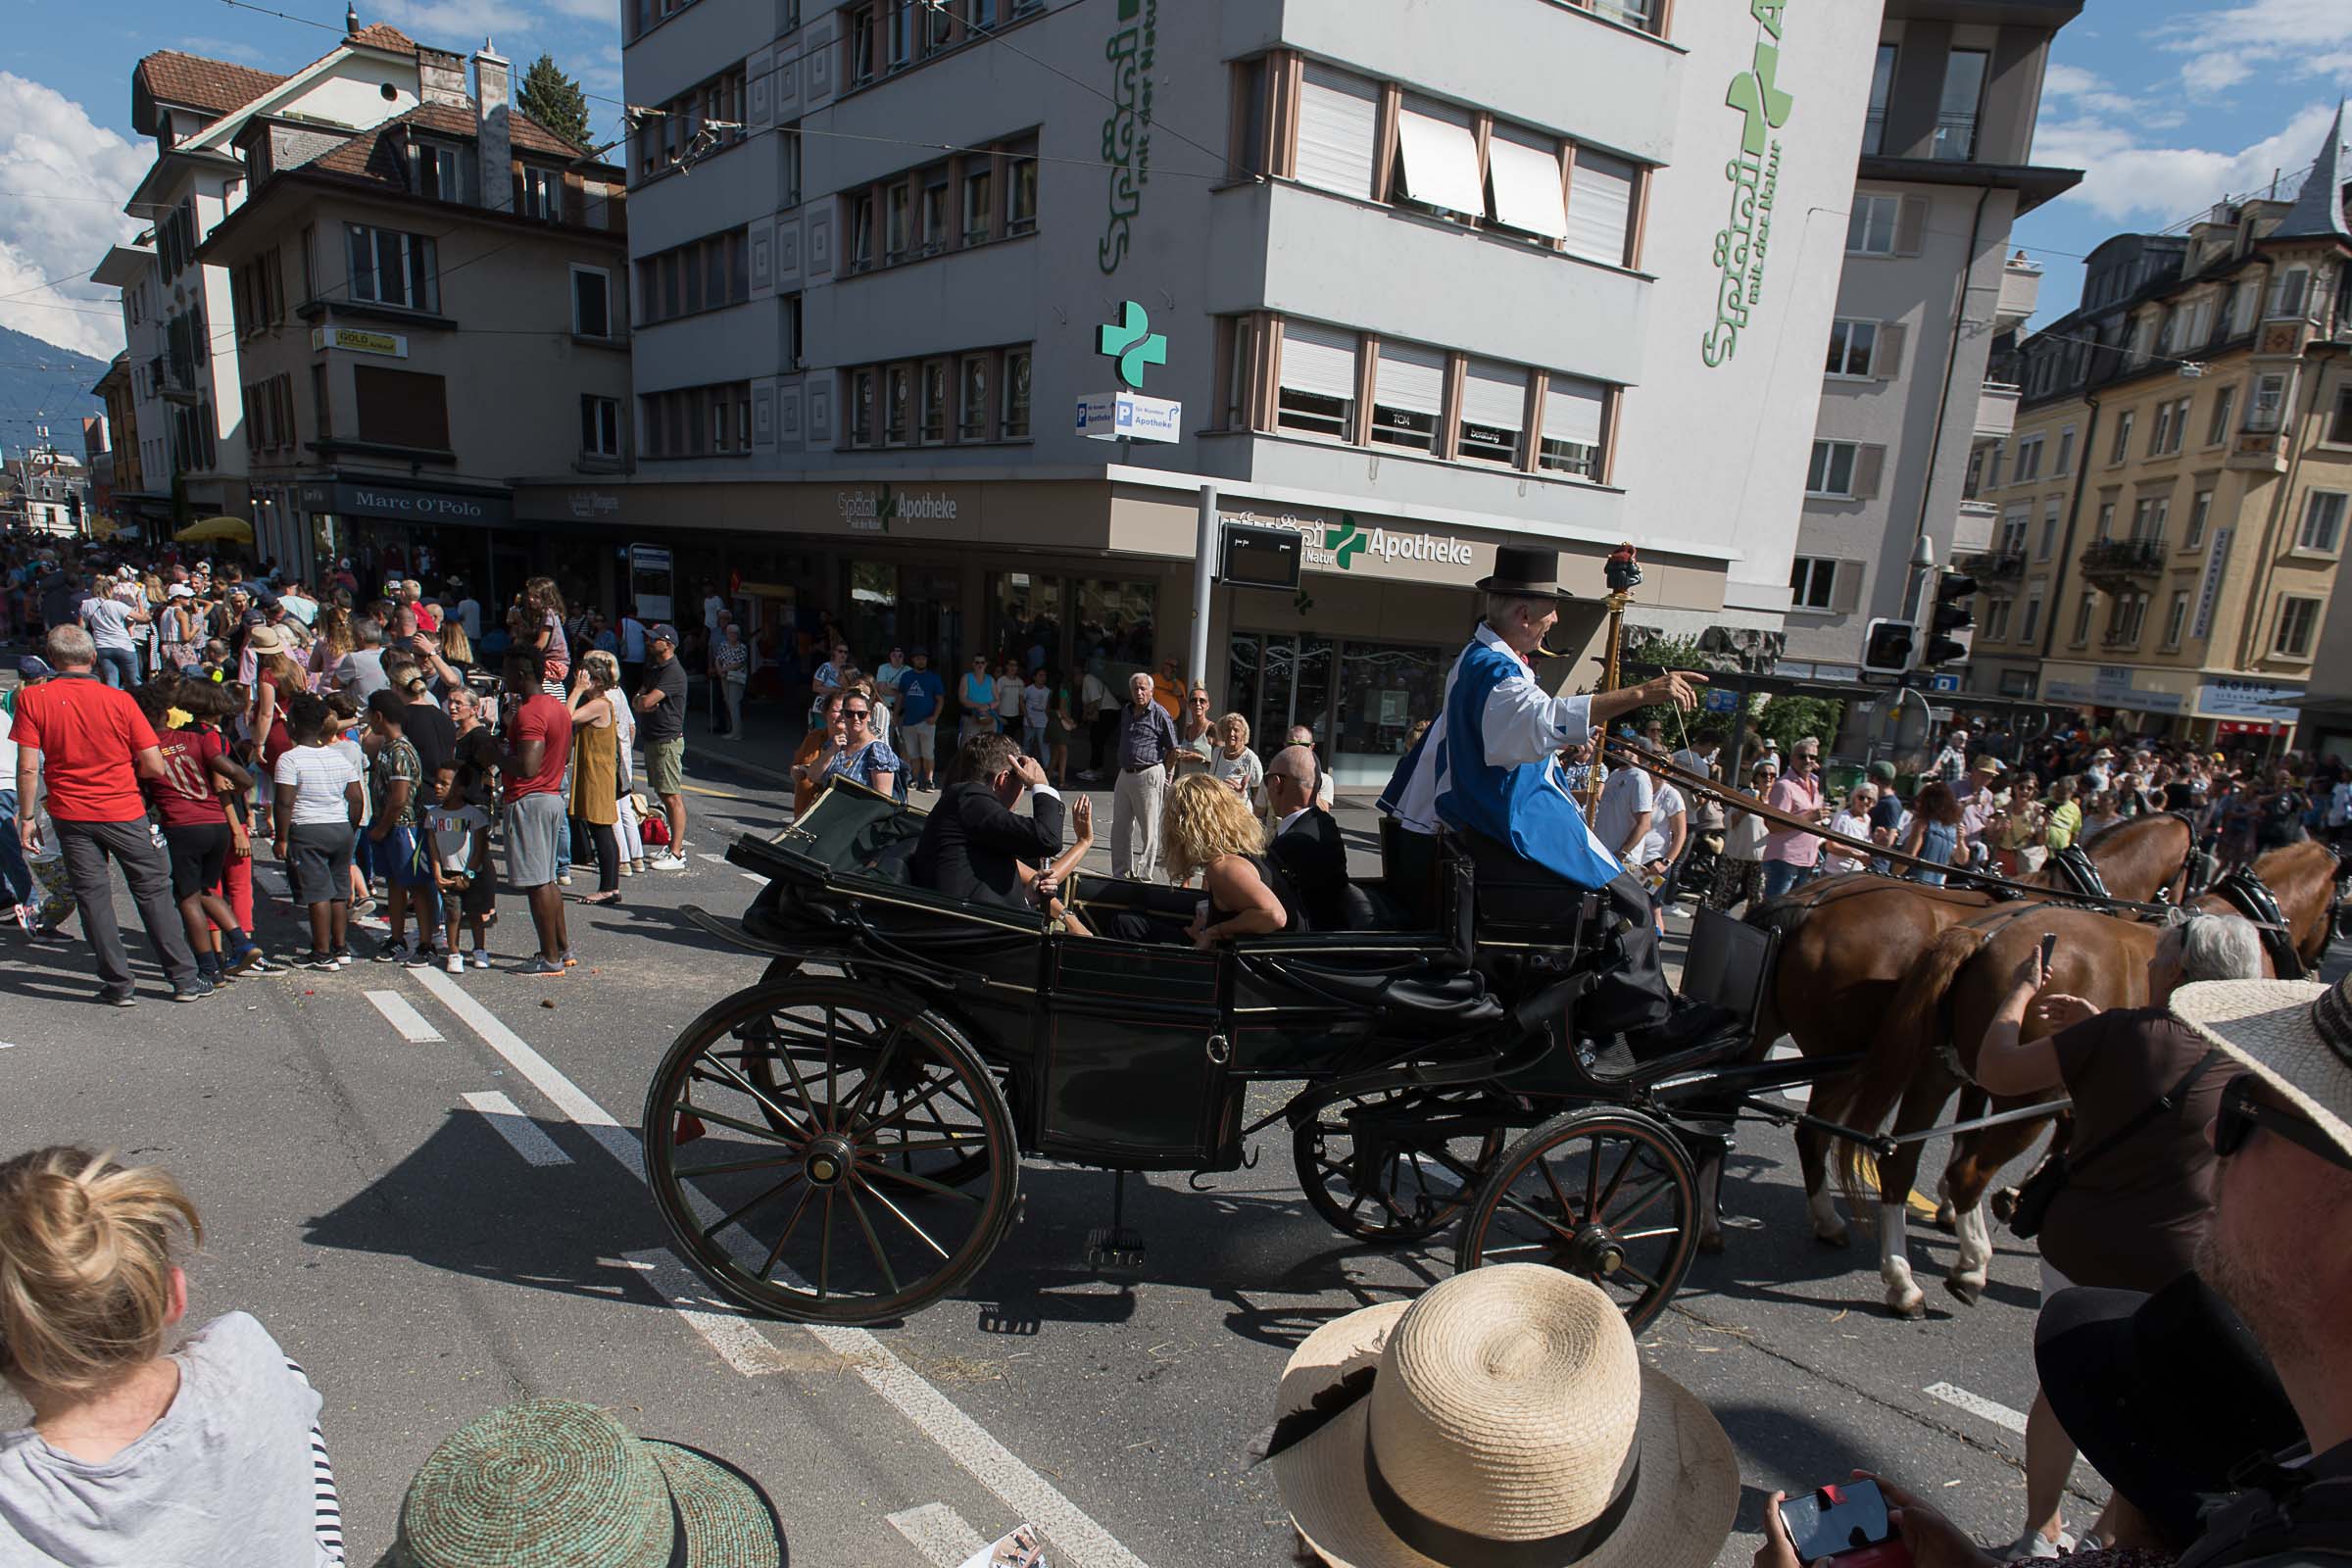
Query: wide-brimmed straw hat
[550,1482]
[266,639]
[1503,1418]
[2294,1035]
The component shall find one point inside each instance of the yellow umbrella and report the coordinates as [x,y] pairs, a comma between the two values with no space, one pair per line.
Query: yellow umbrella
[234,531]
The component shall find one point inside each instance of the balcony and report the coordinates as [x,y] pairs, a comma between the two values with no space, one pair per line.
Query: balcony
[1972,528]
[2110,565]
[1991,565]
[1996,410]
[2021,292]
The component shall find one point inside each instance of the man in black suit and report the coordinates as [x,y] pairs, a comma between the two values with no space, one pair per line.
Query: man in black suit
[972,841]
[1307,843]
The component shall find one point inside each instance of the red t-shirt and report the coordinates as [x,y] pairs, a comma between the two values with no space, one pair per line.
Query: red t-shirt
[184,796]
[540,718]
[87,733]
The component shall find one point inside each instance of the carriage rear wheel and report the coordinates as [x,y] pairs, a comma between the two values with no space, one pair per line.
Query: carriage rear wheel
[1396,1165]
[1608,1194]
[827,1153]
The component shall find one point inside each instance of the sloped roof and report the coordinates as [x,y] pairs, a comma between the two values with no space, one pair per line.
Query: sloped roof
[382,35]
[2319,209]
[214,86]
[374,154]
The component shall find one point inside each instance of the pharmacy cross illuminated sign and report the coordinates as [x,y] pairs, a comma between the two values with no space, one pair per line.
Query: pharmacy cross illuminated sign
[1132,343]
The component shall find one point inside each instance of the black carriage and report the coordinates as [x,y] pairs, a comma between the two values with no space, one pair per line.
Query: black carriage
[842,1142]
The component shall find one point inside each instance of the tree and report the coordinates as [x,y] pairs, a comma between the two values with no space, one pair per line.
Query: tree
[554,100]
[1668,653]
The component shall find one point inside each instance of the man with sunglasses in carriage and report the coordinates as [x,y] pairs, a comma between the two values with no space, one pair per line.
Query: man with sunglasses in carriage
[1485,774]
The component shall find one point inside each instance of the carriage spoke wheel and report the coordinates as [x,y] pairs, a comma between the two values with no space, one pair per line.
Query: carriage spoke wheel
[1611,1196]
[1393,1166]
[826,1153]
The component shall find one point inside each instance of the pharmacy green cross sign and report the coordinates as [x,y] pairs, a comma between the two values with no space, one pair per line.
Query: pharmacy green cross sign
[1133,344]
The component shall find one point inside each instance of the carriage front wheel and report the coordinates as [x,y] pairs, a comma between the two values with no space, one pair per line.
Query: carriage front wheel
[829,1153]
[1608,1194]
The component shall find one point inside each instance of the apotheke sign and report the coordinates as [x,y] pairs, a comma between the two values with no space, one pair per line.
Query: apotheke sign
[1335,545]
[874,510]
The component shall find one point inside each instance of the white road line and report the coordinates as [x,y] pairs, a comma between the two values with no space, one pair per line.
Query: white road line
[593,1119]
[1079,1540]
[705,855]
[1975,1405]
[402,1015]
[506,1118]
[939,1532]
[748,877]
[1801,1094]
[738,1343]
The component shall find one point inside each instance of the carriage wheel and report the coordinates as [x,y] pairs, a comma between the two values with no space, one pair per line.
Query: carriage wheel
[878,1177]
[1393,1166]
[1609,1195]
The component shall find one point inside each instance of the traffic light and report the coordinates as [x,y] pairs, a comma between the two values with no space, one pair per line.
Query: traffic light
[1886,647]
[1950,615]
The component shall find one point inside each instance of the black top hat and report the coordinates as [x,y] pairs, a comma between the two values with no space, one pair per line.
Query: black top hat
[2165,1394]
[1529,573]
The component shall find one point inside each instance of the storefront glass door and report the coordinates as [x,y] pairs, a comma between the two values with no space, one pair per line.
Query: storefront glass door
[1276,681]
[1385,690]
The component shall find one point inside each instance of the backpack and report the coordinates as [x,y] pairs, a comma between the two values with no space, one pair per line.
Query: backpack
[2282,1523]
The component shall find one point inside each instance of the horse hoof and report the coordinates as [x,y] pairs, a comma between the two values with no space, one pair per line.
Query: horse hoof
[1913,1307]
[1946,1219]
[1838,1238]
[1711,1242]
[1969,1291]
[2004,1204]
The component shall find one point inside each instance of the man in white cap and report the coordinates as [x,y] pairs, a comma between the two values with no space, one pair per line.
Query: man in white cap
[1951,764]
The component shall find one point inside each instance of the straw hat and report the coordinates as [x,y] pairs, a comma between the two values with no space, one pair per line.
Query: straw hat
[266,639]
[549,1482]
[1503,1418]
[2296,1036]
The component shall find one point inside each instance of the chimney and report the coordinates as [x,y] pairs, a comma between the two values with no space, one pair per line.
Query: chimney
[441,78]
[350,20]
[492,136]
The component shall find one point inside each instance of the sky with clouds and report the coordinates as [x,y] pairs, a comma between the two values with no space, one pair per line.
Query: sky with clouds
[2168,104]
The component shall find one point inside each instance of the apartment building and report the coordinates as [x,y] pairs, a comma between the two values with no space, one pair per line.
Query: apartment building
[1928,284]
[125,478]
[375,300]
[1424,279]
[2172,504]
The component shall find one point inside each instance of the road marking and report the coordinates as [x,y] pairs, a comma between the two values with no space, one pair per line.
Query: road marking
[738,1343]
[748,877]
[722,794]
[1798,1093]
[939,1532]
[1030,1495]
[402,1015]
[507,1120]
[705,855]
[1975,1405]
[593,1119]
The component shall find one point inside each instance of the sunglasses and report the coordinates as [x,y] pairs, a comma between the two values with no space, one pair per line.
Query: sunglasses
[856,712]
[2241,1112]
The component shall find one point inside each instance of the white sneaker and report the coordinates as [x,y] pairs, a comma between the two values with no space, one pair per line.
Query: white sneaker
[667,863]
[565,880]
[481,957]
[2033,1545]
[456,964]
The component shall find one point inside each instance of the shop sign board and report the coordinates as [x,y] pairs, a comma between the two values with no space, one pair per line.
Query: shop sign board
[1129,416]
[1261,557]
[1338,544]
[874,510]
[589,506]
[2110,686]
[412,504]
[2246,699]
[1755,172]
[653,582]
[2217,560]
[354,340]
[1132,50]
[1946,683]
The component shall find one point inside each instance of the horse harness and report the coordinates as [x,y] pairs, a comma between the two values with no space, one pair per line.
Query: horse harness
[2246,893]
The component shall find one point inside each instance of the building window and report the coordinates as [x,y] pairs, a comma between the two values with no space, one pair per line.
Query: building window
[542,193]
[2298,625]
[703,274]
[2029,460]
[2217,430]
[401,407]
[2339,419]
[2176,618]
[1870,227]
[1409,396]
[978,206]
[2290,295]
[897,205]
[591,301]
[2148,515]
[2013,532]
[1812,583]
[2323,530]
[1851,345]
[2200,509]
[2270,398]
[1600,208]
[934,389]
[973,404]
[1832,473]
[2049,532]
[1339,118]
[390,268]
[600,426]
[1494,411]
[862,232]
[1523,183]
[1996,620]
[865,431]
[1571,427]
[898,405]
[2123,438]
[2030,626]
[1436,158]
[1956,110]
[1881,88]
[698,422]
[2083,614]
[791,154]
[2172,427]
[1020,200]
[1016,395]
[861,62]
[1317,395]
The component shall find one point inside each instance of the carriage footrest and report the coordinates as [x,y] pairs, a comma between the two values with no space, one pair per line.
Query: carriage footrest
[1114,1251]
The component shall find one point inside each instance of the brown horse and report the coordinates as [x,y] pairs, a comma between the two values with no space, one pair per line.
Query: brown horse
[1846,943]
[1929,1036]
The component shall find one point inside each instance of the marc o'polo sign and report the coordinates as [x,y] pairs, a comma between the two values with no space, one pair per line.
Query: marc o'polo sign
[413,503]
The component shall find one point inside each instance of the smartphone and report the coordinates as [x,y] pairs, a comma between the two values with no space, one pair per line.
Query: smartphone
[2049,950]
[1845,1520]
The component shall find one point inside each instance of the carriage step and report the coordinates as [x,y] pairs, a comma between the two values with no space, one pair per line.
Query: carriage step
[1114,1253]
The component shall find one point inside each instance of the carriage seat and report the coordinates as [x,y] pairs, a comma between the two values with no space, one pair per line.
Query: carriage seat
[1455,1000]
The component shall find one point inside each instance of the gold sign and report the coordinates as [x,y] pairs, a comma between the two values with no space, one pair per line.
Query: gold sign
[352,340]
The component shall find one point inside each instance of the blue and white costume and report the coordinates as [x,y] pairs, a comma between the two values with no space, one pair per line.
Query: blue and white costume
[1488,764]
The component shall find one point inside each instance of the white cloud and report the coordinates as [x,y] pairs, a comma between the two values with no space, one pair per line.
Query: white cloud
[2209,75]
[70,177]
[587,10]
[2127,182]
[2228,44]
[459,25]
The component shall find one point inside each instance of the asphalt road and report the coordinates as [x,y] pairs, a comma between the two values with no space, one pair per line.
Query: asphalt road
[430,1252]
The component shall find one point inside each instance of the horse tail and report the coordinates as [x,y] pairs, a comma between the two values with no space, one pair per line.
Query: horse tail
[1914,1025]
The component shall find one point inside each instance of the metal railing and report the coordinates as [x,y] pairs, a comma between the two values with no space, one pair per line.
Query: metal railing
[2124,556]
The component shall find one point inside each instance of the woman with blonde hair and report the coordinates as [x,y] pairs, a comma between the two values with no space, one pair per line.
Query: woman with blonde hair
[210,1453]
[334,640]
[1206,827]
[606,666]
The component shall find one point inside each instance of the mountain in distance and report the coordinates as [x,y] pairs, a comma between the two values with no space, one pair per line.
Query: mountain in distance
[41,384]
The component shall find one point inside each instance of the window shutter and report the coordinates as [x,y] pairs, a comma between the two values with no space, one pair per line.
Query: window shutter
[1887,359]
[1910,225]
[1868,461]
[1600,207]
[1440,157]
[1318,360]
[1572,411]
[1411,378]
[1338,117]
[1525,170]
[1845,588]
[1495,395]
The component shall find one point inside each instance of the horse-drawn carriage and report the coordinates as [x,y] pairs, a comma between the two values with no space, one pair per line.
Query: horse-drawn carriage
[842,1142]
